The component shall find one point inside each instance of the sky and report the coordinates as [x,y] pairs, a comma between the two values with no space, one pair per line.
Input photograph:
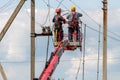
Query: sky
[15,46]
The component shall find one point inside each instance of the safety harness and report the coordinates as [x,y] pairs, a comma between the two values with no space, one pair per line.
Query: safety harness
[75,22]
[58,22]
[58,28]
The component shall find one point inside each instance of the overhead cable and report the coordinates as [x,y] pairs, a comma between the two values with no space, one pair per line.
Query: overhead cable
[60,3]
[101,32]
[84,12]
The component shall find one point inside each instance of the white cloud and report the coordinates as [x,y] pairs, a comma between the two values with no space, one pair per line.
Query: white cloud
[18,71]
[15,44]
[15,53]
[118,10]
[113,18]
[91,59]
[73,68]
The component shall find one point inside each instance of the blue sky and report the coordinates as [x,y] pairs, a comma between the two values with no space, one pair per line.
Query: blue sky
[15,46]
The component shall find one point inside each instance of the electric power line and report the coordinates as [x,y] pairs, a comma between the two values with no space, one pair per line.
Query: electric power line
[84,12]
[6,6]
[60,3]
[96,23]
[101,32]
[63,60]
[48,5]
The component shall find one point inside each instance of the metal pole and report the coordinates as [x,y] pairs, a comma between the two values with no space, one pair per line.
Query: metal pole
[32,39]
[83,77]
[104,39]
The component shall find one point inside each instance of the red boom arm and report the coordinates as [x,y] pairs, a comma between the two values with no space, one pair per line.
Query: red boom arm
[53,61]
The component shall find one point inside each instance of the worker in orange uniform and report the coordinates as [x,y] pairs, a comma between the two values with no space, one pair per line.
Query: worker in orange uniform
[73,24]
[58,30]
